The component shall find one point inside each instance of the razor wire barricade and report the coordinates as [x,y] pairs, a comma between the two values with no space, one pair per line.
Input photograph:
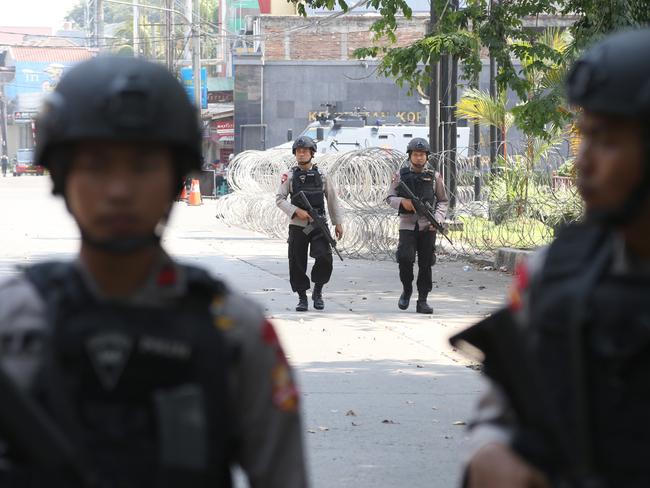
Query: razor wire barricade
[522,201]
[361,178]
[519,205]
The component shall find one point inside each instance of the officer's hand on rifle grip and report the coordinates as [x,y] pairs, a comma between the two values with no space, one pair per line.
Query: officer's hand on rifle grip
[407,204]
[338,230]
[302,214]
[497,466]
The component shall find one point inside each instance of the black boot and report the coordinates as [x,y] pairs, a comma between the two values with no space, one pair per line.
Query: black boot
[302,302]
[317,296]
[422,306]
[405,298]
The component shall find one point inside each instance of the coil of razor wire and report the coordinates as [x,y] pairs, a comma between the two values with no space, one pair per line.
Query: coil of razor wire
[477,223]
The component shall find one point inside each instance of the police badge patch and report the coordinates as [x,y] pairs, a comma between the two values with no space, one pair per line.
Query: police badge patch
[109,353]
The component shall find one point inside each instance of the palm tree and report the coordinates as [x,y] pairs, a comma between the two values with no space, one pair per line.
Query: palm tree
[480,107]
[543,75]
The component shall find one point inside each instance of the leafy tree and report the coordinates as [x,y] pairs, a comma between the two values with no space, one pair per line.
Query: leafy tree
[113,13]
[499,26]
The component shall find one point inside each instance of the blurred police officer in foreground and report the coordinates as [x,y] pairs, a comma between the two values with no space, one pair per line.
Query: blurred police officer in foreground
[583,305]
[308,178]
[416,234]
[156,372]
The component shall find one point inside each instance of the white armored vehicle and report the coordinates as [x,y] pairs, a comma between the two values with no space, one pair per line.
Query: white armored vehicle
[352,132]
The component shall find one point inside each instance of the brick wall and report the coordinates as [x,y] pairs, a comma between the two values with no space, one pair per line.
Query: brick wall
[332,40]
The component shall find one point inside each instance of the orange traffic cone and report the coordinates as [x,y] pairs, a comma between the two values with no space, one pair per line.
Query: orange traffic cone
[195,194]
[183,196]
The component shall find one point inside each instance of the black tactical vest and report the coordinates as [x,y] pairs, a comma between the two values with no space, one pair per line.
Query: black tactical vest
[421,184]
[141,391]
[310,182]
[615,343]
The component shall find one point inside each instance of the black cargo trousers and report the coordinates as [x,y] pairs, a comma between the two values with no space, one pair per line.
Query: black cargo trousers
[422,243]
[319,249]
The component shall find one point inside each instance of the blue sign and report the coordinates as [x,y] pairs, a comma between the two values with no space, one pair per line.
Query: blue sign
[32,81]
[187,77]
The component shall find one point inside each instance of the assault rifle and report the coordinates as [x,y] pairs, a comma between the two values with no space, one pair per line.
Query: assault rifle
[424,209]
[507,361]
[27,429]
[319,222]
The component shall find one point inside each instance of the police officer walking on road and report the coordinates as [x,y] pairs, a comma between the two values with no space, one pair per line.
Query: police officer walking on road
[308,178]
[156,373]
[582,304]
[416,234]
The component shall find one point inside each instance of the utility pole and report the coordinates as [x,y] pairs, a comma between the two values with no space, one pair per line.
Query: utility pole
[476,151]
[3,121]
[169,35]
[453,134]
[95,19]
[100,22]
[444,89]
[196,53]
[189,32]
[493,93]
[136,29]
[434,100]
[493,129]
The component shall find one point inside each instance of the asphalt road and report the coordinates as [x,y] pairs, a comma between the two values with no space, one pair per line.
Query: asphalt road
[384,397]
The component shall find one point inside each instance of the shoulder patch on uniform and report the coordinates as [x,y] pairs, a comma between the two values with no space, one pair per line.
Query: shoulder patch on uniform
[268,334]
[284,177]
[221,321]
[285,392]
[519,286]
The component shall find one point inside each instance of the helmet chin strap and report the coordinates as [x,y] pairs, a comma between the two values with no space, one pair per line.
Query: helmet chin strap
[419,166]
[120,246]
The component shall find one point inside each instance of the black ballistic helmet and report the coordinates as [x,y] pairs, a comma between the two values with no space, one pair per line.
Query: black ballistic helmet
[304,141]
[613,78]
[119,99]
[418,144]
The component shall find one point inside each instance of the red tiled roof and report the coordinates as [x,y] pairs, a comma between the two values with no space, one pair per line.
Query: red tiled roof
[51,54]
